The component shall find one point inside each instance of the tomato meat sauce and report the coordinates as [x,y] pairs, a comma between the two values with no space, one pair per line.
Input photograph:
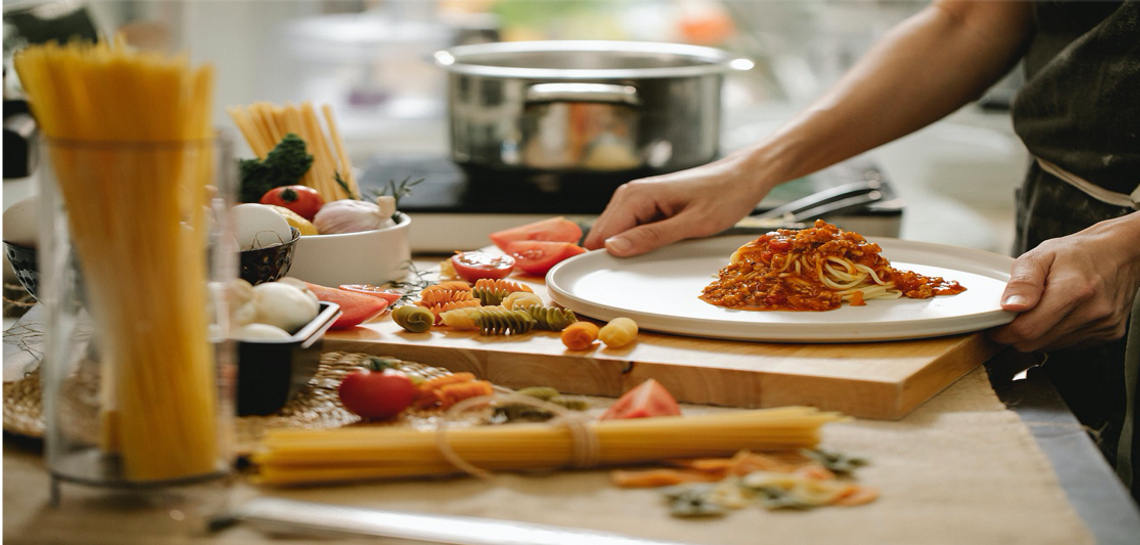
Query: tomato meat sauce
[815,269]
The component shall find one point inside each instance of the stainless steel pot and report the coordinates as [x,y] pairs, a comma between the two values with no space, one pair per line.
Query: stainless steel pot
[585,106]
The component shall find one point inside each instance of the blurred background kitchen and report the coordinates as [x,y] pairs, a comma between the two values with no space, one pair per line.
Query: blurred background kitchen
[370,59]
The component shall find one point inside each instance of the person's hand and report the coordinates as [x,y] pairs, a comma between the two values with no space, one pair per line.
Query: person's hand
[1074,291]
[652,212]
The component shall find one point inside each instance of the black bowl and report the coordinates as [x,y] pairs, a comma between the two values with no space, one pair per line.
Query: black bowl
[257,266]
[269,264]
[23,260]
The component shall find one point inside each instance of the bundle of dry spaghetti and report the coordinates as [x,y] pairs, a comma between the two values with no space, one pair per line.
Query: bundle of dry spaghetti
[290,457]
[264,125]
[129,142]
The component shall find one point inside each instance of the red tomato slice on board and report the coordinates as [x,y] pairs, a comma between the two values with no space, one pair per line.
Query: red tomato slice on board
[391,296]
[536,256]
[647,399]
[557,229]
[357,307]
[472,266]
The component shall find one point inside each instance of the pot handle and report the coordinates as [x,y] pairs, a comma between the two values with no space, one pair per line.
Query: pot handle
[583,92]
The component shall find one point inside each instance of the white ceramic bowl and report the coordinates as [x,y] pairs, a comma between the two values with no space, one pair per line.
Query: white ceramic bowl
[368,257]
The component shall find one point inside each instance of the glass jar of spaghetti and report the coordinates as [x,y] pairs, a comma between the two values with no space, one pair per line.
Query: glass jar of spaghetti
[135,261]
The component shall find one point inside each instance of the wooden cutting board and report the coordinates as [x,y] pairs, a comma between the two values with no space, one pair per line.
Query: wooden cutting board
[883,380]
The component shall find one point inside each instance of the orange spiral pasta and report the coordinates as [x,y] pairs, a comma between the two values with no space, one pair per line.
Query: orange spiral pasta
[579,335]
[457,285]
[437,297]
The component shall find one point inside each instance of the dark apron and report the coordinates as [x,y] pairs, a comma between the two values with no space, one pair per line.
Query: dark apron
[1097,383]
[1079,111]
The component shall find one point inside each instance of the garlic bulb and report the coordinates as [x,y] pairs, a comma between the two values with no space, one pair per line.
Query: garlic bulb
[350,216]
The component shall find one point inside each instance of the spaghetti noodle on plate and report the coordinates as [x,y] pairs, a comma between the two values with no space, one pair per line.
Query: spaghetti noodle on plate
[815,269]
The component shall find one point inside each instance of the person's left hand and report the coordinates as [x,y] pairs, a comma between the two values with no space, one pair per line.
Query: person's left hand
[1074,291]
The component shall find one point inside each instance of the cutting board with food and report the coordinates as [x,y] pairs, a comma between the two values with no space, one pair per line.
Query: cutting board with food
[865,379]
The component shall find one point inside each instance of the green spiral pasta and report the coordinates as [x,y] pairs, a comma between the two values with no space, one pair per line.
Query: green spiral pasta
[463,319]
[504,322]
[413,318]
[551,318]
[490,296]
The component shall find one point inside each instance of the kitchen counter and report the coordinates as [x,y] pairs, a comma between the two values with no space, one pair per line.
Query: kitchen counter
[1087,482]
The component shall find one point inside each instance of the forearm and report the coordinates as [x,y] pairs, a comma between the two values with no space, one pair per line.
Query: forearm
[924,69]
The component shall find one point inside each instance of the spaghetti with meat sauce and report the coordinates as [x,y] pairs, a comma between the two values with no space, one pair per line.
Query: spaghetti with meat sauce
[815,269]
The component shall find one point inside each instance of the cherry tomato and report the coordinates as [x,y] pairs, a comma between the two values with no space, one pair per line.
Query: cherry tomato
[391,296]
[472,266]
[557,229]
[537,257]
[377,396]
[647,399]
[302,199]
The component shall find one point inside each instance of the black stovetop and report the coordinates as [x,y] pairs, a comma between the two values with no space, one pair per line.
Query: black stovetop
[449,188]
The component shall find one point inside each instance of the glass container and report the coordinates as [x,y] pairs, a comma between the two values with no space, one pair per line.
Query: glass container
[138,372]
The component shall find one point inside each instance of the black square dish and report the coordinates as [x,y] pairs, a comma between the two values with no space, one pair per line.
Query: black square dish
[272,371]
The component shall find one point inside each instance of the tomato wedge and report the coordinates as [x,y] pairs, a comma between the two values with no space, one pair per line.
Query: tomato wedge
[357,307]
[557,229]
[536,257]
[472,266]
[647,399]
[391,296]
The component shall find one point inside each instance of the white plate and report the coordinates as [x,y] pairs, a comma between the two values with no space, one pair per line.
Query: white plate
[659,291]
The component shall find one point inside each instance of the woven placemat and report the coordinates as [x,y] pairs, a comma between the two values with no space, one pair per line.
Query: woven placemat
[316,405]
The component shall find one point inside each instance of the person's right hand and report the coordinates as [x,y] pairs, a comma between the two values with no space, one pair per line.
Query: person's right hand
[651,212]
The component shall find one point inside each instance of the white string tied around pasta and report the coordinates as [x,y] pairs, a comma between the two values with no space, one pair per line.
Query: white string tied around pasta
[586,447]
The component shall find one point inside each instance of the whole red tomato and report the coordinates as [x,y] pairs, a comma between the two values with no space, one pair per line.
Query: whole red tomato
[302,199]
[377,396]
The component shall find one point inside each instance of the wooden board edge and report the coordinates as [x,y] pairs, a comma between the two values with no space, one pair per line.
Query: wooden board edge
[972,351]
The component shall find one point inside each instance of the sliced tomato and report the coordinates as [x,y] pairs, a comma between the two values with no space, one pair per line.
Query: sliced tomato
[357,307]
[647,399]
[472,266]
[537,257]
[391,296]
[557,229]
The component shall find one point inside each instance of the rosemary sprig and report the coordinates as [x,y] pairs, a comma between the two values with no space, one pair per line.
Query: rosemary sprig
[398,190]
[344,185]
[409,289]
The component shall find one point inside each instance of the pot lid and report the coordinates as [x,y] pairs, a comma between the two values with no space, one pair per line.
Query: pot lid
[588,59]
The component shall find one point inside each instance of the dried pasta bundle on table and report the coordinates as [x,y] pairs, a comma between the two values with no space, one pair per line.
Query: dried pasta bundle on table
[289,457]
[129,138]
[264,125]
